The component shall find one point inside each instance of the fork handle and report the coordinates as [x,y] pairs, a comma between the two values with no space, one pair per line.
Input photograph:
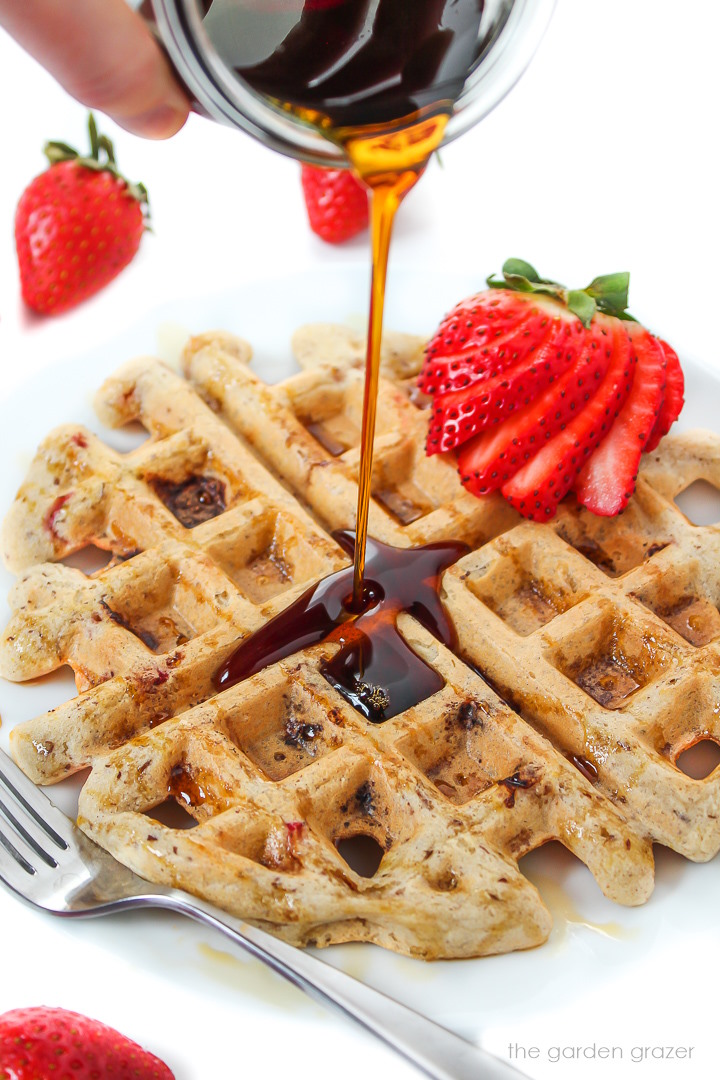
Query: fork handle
[437,1052]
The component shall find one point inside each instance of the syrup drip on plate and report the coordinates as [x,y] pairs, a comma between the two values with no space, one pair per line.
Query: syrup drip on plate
[375,669]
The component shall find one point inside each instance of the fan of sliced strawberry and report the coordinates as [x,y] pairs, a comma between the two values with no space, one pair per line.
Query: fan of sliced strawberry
[542,390]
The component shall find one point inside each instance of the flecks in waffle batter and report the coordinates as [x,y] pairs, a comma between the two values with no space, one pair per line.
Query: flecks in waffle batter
[599,634]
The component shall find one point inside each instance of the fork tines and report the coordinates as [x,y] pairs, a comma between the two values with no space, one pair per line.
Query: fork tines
[28,836]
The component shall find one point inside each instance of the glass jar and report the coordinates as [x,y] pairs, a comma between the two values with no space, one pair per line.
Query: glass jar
[470,51]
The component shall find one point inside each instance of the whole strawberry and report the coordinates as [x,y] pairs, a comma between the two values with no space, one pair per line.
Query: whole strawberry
[77,225]
[40,1043]
[337,203]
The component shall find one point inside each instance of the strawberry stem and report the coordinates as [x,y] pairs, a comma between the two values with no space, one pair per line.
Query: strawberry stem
[100,159]
[94,144]
[607,293]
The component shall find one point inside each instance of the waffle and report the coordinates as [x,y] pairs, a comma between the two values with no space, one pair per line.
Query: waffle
[587,660]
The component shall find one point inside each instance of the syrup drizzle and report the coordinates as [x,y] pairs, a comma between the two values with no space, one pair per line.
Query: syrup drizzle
[380,79]
[383,89]
[390,164]
[375,669]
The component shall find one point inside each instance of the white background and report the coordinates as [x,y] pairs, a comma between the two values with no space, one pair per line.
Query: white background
[603,158]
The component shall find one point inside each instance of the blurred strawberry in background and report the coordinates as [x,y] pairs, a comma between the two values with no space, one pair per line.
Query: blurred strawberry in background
[77,225]
[337,203]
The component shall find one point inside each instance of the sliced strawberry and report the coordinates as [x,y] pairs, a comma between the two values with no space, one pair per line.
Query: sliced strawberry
[484,336]
[673,400]
[608,479]
[495,456]
[462,414]
[537,487]
[528,411]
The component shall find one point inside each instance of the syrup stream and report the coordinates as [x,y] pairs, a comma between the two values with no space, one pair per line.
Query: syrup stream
[390,165]
[379,79]
[375,669]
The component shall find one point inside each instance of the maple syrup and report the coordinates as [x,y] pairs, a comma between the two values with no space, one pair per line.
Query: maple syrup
[355,63]
[378,77]
[184,788]
[374,669]
[390,165]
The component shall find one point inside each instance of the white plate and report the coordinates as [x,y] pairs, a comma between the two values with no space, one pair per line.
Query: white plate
[625,979]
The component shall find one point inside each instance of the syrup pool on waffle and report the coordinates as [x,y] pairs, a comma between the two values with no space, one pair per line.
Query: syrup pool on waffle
[375,669]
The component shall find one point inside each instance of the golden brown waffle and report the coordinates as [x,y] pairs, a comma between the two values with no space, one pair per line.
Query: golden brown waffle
[599,633]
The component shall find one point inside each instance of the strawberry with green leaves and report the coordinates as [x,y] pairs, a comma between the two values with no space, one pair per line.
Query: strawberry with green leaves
[542,390]
[77,225]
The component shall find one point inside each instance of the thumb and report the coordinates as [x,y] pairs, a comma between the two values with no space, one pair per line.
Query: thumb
[104,55]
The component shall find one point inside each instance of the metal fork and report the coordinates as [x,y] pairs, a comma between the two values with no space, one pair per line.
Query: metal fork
[48,862]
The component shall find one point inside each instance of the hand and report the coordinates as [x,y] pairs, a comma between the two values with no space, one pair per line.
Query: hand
[103,54]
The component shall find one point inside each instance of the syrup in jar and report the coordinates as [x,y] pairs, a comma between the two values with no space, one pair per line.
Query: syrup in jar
[355,63]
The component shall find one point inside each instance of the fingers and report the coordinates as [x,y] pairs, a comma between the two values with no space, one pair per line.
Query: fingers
[103,55]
